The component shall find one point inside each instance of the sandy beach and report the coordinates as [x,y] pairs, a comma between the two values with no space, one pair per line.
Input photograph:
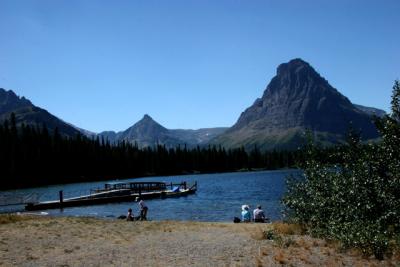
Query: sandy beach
[70,241]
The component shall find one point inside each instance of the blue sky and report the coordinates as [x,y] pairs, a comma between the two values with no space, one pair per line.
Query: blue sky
[102,65]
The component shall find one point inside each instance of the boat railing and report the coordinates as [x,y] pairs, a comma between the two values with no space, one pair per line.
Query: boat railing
[137,187]
[183,185]
[194,186]
[14,199]
[147,186]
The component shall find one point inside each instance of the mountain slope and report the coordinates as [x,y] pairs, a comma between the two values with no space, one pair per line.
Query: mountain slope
[197,137]
[29,114]
[296,99]
[371,111]
[147,133]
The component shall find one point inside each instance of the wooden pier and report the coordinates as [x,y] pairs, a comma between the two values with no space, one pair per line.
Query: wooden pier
[118,192]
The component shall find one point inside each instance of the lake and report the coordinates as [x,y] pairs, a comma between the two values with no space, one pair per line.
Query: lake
[219,197]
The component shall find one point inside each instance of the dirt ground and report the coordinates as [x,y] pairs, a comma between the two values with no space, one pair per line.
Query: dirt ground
[71,241]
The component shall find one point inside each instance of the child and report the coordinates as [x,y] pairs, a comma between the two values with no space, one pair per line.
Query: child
[130,216]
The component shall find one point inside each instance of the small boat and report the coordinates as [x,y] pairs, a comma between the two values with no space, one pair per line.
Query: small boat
[119,192]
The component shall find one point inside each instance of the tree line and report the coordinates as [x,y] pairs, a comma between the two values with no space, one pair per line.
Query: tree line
[32,156]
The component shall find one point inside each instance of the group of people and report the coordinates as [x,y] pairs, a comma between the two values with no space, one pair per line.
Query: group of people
[143,211]
[257,216]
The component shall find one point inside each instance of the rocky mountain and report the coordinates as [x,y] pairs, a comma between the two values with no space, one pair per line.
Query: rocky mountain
[9,101]
[148,132]
[29,114]
[297,99]
[198,137]
[371,111]
[145,132]
[111,136]
[84,132]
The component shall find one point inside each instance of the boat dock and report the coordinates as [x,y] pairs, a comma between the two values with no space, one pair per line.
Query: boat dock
[118,192]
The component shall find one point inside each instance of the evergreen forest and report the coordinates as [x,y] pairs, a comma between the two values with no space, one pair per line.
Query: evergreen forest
[32,156]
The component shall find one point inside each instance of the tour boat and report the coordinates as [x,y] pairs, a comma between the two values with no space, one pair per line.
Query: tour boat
[118,192]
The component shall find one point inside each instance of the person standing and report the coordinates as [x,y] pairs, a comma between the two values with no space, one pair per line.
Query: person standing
[143,209]
[258,214]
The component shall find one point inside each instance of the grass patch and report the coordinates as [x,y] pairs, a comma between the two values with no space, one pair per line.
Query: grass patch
[258,234]
[13,218]
[280,257]
[289,228]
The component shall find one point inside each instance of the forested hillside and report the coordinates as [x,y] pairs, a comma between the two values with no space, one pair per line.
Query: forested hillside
[31,156]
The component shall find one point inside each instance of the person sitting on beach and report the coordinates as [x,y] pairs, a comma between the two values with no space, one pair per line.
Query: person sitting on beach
[143,209]
[258,214]
[129,216]
[246,216]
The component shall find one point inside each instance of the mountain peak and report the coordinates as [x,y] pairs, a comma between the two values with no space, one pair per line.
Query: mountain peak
[8,92]
[147,117]
[297,61]
[146,125]
[294,66]
[297,98]
[9,101]
[146,132]
[147,121]
[10,95]
[29,114]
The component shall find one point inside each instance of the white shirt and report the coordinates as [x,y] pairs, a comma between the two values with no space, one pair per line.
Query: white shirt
[258,214]
[142,204]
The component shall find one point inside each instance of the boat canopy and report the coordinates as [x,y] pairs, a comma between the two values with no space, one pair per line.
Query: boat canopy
[142,186]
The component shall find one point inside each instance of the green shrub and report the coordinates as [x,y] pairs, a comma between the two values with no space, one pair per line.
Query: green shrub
[270,234]
[357,200]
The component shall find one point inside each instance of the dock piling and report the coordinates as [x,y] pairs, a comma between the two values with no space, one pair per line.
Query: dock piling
[61,197]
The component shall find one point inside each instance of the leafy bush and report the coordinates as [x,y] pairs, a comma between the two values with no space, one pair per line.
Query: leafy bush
[270,234]
[288,228]
[356,201]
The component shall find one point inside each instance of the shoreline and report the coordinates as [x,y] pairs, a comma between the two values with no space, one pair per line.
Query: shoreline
[86,241]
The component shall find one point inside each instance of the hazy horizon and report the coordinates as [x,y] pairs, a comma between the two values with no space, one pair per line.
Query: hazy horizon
[188,64]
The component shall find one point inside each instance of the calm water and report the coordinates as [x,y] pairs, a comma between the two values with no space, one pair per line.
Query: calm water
[219,197]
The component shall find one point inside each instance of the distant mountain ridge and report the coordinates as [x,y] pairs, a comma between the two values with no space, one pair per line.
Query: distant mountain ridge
[371,111]
[144,133]
[297,99]
[147,132]
[29,114]
[10,101]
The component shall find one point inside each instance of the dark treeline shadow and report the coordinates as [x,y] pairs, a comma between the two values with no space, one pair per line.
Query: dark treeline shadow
[32,156]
